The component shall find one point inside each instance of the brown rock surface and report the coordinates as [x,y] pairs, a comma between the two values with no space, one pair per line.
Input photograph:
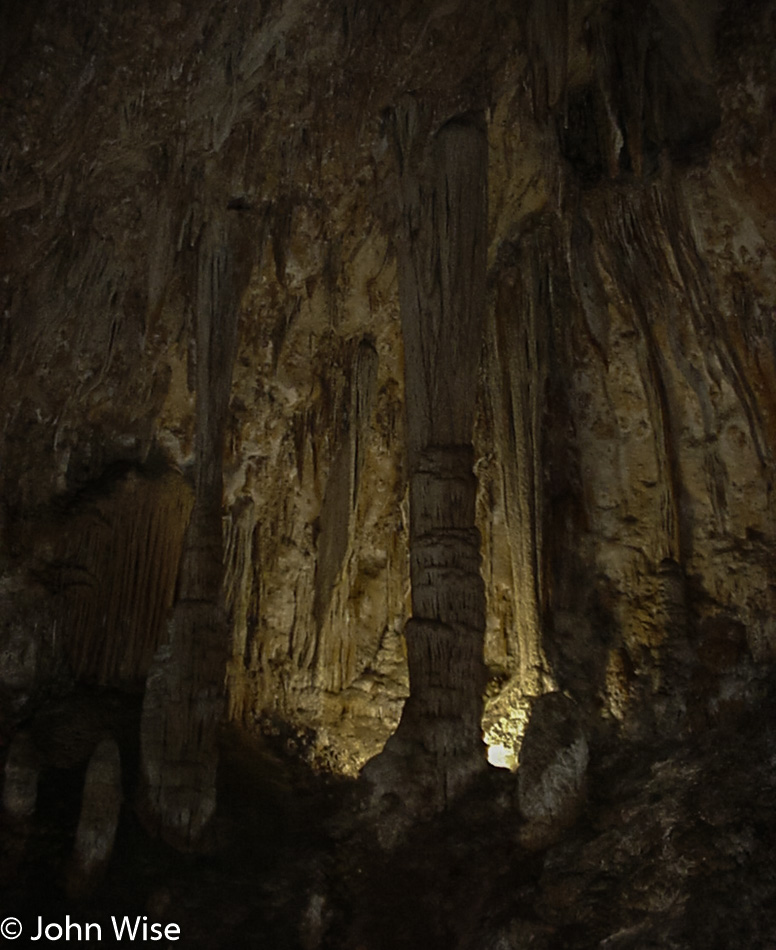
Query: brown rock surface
[215,458]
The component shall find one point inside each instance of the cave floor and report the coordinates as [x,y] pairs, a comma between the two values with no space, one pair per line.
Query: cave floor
[673,849]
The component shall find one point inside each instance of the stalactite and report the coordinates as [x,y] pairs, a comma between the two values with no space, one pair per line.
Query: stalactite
[547,31]
[520,350]
[650,91]
[117,565]
[650,247]
[663,377]
[362,399]
[241,566]
[338,517]
[728,336]
[517,354]
[637,239]
[442,300]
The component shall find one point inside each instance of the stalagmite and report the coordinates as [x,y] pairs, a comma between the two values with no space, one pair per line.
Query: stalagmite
[553,769]
[20,789]
[99,819]
[442,299]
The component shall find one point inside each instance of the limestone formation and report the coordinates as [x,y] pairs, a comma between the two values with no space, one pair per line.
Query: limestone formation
[117,563]
[20,784]
[98,821]
[552,775]
[184,698]
[624,408]
[370,371]
[442,300]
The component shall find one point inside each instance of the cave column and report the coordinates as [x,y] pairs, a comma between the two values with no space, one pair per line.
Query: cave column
[184,699]
[442,273]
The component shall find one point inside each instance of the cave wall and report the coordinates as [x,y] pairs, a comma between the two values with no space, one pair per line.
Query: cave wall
[624,429]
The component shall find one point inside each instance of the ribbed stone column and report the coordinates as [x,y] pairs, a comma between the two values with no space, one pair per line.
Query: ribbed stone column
[445,633]
[442,264]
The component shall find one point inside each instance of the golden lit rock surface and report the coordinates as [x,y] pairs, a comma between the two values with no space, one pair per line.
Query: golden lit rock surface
[626,406]
[201,235]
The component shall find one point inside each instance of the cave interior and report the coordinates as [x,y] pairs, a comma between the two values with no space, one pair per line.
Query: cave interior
[387,449]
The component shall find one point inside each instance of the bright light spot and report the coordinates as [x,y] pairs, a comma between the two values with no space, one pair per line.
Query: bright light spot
[503,725]
[502,757]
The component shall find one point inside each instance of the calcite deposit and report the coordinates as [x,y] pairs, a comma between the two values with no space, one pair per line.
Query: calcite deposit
[374,374]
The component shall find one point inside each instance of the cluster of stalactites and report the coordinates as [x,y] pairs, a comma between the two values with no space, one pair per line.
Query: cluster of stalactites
[118,565]
[624,81]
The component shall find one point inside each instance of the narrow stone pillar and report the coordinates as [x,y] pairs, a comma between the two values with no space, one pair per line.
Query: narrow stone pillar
[442,273]
[184,699]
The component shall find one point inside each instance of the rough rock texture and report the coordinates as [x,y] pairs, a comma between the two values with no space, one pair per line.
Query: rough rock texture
[442,297]
[184,691]
[116,562]
[208,488]
[623,429]
[552,777]
[97,823]
[20,782]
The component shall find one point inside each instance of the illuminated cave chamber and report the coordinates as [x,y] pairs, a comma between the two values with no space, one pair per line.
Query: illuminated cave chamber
[321,325]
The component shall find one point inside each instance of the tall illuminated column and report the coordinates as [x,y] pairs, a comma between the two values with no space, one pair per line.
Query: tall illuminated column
[442,275]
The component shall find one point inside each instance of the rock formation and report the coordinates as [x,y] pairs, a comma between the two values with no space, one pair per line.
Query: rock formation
[552,776]
[97,823]
[184,699]
[371,372]
[442,268]
[20,785]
